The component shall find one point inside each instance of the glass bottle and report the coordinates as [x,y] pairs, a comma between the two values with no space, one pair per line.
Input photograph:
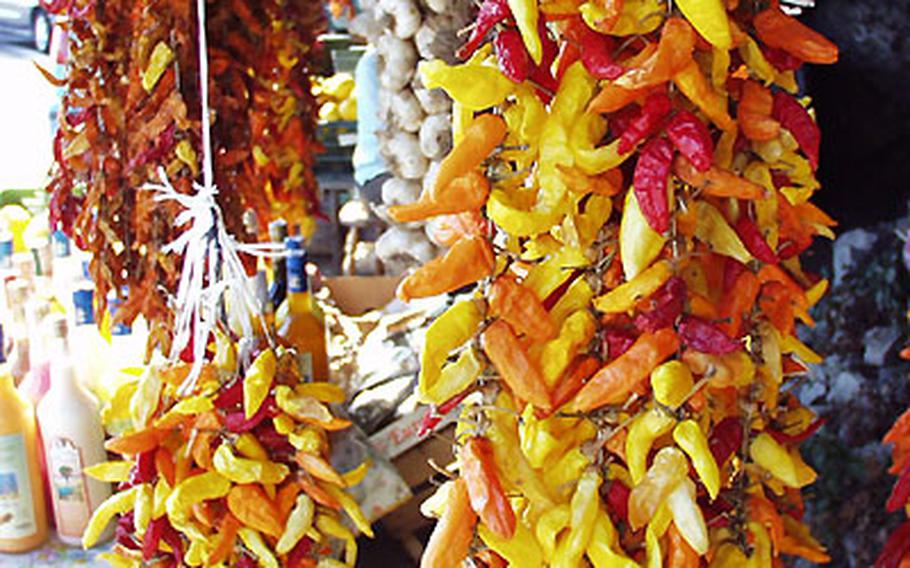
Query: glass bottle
[302,328]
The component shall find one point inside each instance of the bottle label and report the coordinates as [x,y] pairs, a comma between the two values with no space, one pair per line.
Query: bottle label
[71,504]
[305,363]
[17,511]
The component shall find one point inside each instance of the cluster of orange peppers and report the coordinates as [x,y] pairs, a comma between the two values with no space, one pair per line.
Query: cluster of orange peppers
[634,238]
[234,473]
[896,552]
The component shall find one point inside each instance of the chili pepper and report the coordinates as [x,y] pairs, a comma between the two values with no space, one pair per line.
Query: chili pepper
[795,118]
[726,439]
[172,538]
[612,98]
[738,301]
[490,13]
[668,470]
[696,88]
[526,17]
[135,442]
[258,382]
[142,508]
[298,557]
[781,59]
[193,490]
[618,341]
[713,229]
[663,307]
[779,30]
[110,472]
[152,538]
[646,123]
[595,50]
[687,516]
[753,239]
[520,308]
[671,383]
[799,542]
[679,553]
[318,467]
[691,138]
[624,375]
[541,75]
[468,261]
[623,297]
[583,514]
[608,184]
[238,423]
[689,436]
[116,504]
[639,244]
[144,470]
[473,85]
[484,488]
[450,541]
[512,55]
[709,18]
[705,337]
[650,183]
[674,51]
[548,527]
[230,397]
[254,509]
[617,499]
[643,431]
[754,113]
[225,540]
[514,366]
[579,371]
[896,548]
[468,192]
[900,493]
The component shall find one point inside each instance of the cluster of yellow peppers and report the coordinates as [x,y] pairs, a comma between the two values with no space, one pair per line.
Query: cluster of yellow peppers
[234,473]
[635,244]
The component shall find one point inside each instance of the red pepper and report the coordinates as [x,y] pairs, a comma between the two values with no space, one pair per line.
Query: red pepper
[795,118]
[692,138]
[513,57]
[596,50]
[491,12]
[436,413]
[542,75]
[618,499]
[618,341]
[485,491]
[650,183]
[237,422]
[753,239]
[173,539]
[900,493]
[570,54]
[897,547]
[648,121]
[125,531]
[715,511]
[246,561]
[667,305]
[560,290]
[300,552]
[153,534]
[780,59]
[271,440]
[726,439]
[230,397]
[794,439]
[622,120]
[144,471]
[705,337]
[733,269]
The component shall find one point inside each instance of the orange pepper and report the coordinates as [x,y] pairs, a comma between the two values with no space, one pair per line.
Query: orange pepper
[465,193]
[451,539]
[579,371]
[469,260]
[519,307]
[779,30]
[164,465]
[254,509]
[692,82]
[286,499]
[679,553]
[318,467]
[136,442]
[674,52]
[702,307]
[206,425]
[224,540]
[738,301]
[481,137]
[754,113]
[318,493]
[515,366]
[717,181]
[760,509]
[612,97]
[449,229]
[485,491]
[490,559]
[628,372]
[777,304]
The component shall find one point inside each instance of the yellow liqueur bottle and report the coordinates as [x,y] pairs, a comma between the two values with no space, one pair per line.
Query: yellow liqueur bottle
[303,328]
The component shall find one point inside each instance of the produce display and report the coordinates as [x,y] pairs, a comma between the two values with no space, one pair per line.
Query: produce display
[897,549]
[417,119]
[629,188]
[336,97]
[130,109]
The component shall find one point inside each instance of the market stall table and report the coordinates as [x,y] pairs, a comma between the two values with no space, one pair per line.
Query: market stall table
[55,553]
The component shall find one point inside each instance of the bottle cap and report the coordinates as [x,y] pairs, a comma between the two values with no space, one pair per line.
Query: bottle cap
[6,251]
[61,245]
[278,230]
[83,301]
[297,259]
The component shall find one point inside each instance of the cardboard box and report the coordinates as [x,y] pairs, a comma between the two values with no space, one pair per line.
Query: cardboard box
[358,294]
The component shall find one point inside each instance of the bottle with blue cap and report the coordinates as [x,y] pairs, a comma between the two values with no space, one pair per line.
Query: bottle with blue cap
[302,328]
[24,525]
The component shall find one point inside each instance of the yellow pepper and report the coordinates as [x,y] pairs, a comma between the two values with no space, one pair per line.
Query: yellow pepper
[186,407]
[145,400]
[639,244]
[526,14]
[709,18]
[689,436]
[791,344]
[756,61]
[646,428]
[513,212]
[110,472]
[358,474]
[299,522]
[576,298]
[594,161]
[671,383]
[254,542]
[601,551]
[766,452]
[307,409]
[353,510]
[584,507]
[638,17]
[193,490]
[687,516]
[549,525]
[713,230]
[116,504]
[159,497]
[670,467]
[332,527]
[118,561]
[142,507]
[560,474]
[451,330]
[258,381]
[197,553]
[242,470]
[623,297]
[576,332]
[249,447]
[652,549]
[547,276]
[161,57]
[475,86]
[520,551]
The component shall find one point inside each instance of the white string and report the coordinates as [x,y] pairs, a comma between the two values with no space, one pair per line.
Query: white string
[208,178]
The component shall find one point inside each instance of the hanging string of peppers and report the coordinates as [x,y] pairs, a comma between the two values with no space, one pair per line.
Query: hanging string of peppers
[130,106]
[630,189]
[896,551]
